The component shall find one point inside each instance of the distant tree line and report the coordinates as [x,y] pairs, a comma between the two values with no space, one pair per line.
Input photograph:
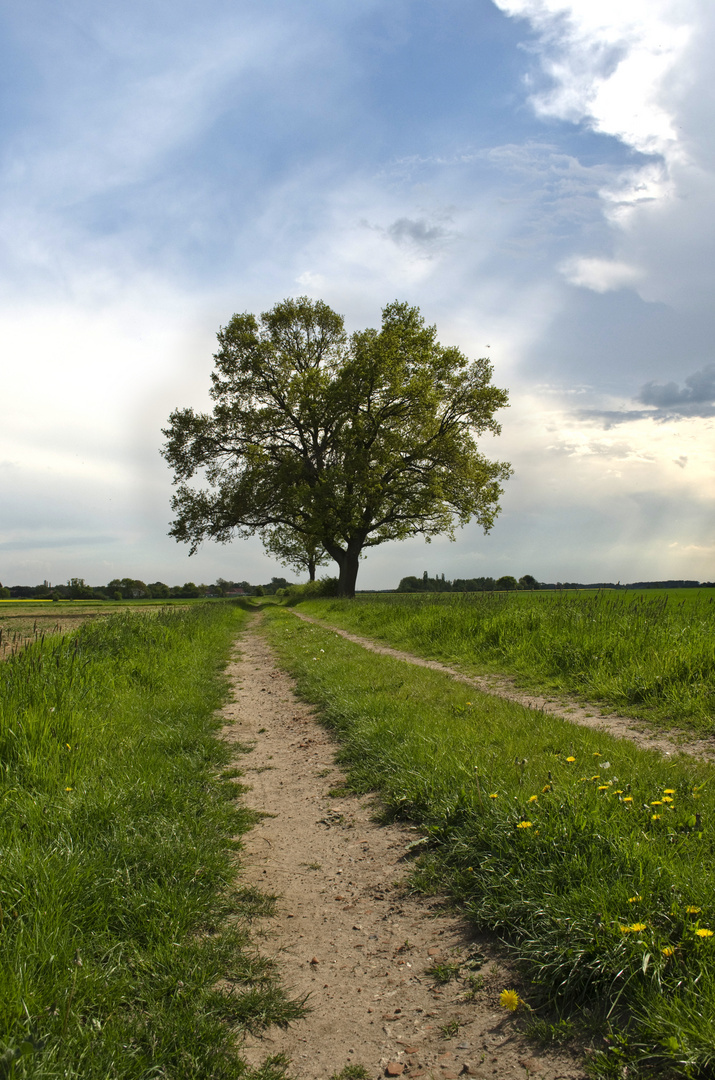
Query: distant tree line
[134,589]
[508,583]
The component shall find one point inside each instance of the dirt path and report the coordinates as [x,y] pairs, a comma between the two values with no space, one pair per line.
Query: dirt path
[623,727]
[348,936]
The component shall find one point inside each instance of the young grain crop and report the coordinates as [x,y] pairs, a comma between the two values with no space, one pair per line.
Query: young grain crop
[592,859]
[116,874]
[649,654]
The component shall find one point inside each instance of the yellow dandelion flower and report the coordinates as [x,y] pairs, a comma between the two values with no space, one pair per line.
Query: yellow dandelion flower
[68,746]
[703,932]
[634,899]
[618,791]
[524,824]
[509,999]
[627,798]
[596,777]
[69,789]
[493,795]
[667,799]
[655,817]
[691,909]
[596,753]
[533,798]
[546,787]
[602,787]
[570,758]
[657,802]
[668,950]
[669,791]
[634,928]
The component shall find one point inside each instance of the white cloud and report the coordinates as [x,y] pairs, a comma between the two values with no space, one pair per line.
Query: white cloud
[601,275]
[639,71]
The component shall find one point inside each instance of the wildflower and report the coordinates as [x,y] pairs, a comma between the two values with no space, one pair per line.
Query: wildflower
[634,928]
[493,795]
[509,999]
[596,777]
[603,787]
[68,746]
[691,909]
[627,798]
[618,791]
[669,791]
[657,803]
[570,758]
[524,824]
[703,932]
[69,789]
[655,817]
[533,798]
[634,899]
[667,950]
[596,753]
[469,703]
[667,799]
[546,787]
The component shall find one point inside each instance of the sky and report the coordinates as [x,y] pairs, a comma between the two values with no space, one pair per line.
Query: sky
[535,175]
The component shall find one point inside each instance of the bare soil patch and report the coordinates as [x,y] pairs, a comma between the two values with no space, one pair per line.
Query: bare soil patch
[571,709]
[349,937]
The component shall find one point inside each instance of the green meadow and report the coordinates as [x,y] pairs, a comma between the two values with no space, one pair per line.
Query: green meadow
[650,654]
[123,934]
[592,860]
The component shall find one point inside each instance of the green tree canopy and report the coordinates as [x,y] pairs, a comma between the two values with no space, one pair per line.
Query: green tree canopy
[343,442]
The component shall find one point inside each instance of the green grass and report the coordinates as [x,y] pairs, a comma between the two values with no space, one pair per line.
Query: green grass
[560,839]
[123,942]
[649,654]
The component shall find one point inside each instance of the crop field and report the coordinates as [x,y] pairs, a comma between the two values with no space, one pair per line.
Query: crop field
[649,654]
[25,621]
[117,878]
[593,860]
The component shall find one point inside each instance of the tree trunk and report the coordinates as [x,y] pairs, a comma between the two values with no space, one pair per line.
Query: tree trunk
[349,567]
[349,563]
[311,569]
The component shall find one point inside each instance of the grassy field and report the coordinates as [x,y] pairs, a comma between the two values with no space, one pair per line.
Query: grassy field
[593,860]
[648,654]
[122,933]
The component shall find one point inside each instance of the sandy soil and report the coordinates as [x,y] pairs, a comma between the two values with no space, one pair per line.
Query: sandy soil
[590,715]
[348,936]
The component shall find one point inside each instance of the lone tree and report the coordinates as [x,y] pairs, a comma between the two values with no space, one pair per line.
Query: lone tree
[341,443]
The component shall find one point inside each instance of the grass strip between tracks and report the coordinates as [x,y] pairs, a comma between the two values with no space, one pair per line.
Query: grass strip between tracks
[648,654]
[591,858]
[122,935]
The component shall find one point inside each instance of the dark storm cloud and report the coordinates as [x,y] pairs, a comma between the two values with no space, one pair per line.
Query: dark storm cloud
[416,231]
[669,400]
[698,392]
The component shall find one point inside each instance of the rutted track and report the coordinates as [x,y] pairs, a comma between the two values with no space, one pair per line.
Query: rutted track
[347,934]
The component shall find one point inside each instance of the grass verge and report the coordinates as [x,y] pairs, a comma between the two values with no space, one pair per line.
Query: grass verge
[648,654]
[124,952]
[592,859]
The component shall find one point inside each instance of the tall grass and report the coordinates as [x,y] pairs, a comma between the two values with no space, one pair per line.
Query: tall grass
[650,655]
[116,875]
[592,859]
